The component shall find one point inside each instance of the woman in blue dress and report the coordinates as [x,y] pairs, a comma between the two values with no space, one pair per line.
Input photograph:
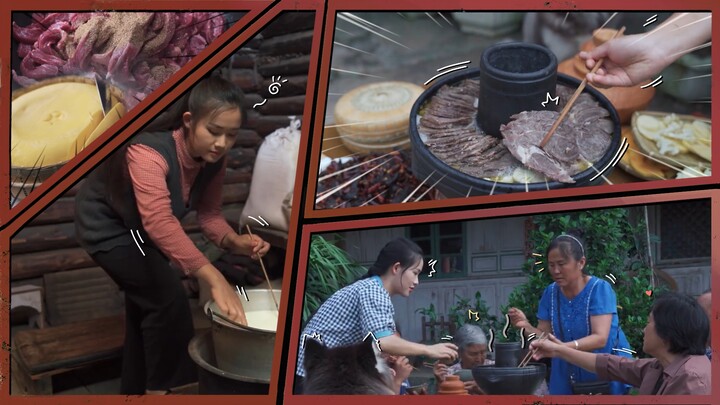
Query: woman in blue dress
[580,310]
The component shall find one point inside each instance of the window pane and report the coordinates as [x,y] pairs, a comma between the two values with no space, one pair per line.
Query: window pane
[450,228]
[452,265]
[685,230]
[451,245]
[425,245]
[419,231]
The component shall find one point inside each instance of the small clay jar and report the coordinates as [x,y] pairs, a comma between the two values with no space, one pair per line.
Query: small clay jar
[514,77]
[452,386]
[626,100]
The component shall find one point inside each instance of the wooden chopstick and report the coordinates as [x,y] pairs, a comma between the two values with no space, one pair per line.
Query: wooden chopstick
[265,273]
[574,97]
[529,356]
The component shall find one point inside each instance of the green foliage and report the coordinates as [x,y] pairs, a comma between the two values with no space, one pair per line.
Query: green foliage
[432,317]
[611,247]
[459,314]
[329,270]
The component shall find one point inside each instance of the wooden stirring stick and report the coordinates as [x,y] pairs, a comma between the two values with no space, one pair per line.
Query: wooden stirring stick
[265,273]
[574,97]
[530,354]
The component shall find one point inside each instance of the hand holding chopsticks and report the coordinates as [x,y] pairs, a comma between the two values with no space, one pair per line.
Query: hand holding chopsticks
[530,354]
[574,97]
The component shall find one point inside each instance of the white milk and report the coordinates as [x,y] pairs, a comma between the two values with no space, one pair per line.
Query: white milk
[266,319]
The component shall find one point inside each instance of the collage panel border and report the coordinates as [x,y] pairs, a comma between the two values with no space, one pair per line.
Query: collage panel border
[488,213]
[597,191]
[109,141]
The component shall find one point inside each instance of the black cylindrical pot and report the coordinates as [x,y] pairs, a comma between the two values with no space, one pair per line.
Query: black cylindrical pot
[457,184]
[508,354]
[514,77]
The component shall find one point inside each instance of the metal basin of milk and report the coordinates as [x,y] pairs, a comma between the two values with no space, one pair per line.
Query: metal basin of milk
[246,350]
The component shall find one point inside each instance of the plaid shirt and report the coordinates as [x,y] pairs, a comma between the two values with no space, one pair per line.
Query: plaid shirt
[348,315]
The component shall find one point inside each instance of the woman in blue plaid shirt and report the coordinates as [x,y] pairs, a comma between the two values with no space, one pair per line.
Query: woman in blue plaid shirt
[364,307]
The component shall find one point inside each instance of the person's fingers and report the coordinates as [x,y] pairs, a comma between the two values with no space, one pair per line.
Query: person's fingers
[598,80]
[224,308]
[599,52]
[554,339]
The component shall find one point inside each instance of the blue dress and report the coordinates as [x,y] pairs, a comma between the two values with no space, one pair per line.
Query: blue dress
[597,298]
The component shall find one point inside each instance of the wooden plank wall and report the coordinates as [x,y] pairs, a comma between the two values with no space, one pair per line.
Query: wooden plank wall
[47,244]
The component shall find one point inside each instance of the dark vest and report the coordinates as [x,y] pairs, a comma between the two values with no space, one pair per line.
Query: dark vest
[103,222]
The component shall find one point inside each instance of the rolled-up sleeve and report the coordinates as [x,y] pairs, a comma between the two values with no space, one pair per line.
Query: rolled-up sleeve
[609,367]
[148,170]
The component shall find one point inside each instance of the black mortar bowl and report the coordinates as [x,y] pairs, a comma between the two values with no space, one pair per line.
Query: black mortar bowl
[456,183]
[494,380]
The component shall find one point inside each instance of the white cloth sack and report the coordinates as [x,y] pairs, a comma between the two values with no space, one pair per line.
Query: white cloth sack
[273,179]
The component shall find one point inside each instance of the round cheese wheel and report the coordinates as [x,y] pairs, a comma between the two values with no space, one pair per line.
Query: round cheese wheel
[47,122]
[359,147]
[376,114]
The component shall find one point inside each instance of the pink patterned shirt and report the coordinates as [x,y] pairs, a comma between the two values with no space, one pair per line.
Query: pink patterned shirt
[148,171]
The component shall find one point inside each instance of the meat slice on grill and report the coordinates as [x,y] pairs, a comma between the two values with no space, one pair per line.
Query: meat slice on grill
[526,130]
[593,141]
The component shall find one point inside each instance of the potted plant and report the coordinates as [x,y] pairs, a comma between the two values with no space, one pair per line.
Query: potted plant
[329,269]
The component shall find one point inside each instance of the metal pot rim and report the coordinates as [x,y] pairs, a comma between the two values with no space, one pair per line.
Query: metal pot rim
[218,318]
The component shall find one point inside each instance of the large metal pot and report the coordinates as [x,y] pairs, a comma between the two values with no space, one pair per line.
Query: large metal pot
[214,381]
[244,350]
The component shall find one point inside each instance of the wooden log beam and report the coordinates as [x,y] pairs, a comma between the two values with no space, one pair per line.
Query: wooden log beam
[62,210]
[296,42]
[265,124]
[295,86]
[247,138]
[292,105]
[279,65]
[290,21]
[241,159]
[36,264]
[244,59]
[44,238]
[247,79]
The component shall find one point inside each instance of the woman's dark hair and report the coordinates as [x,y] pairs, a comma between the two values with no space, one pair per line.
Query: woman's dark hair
[570,245]
[400,250]
[681,322]
[208,96]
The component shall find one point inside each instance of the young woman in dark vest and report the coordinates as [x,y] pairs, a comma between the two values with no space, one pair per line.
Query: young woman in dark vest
[128,215]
